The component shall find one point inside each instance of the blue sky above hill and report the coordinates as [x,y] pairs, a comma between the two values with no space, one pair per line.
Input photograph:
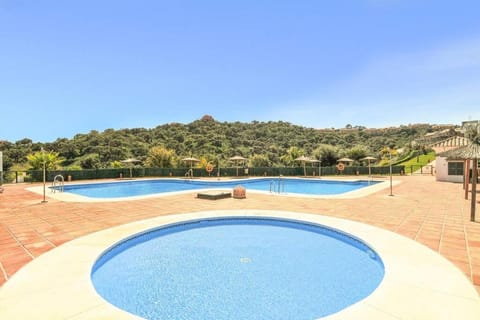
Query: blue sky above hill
[69,67]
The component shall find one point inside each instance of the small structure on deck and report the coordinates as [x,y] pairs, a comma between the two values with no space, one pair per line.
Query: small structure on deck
[239,192]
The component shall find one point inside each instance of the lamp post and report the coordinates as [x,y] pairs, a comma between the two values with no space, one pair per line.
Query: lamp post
[391,186]
[44,174]
[1,169]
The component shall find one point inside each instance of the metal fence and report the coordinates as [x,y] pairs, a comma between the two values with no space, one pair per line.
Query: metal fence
[91,174]
[423,170]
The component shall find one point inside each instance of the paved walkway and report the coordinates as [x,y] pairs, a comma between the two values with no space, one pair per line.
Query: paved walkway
[432,213]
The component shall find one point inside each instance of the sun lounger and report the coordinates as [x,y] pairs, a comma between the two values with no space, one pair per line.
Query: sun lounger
[214,195]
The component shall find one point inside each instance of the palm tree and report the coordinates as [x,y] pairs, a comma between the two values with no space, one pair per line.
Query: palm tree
[52,160]
[292,153]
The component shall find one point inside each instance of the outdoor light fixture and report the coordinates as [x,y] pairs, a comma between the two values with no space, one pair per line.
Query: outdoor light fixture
[44,174]
[391,186]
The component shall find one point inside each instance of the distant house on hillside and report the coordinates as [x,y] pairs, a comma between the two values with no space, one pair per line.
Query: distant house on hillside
[448,169]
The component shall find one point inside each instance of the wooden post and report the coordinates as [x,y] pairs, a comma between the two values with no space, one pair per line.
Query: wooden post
[467,178]
[474,189]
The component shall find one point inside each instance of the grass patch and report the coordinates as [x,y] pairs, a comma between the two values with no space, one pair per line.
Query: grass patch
[417,162]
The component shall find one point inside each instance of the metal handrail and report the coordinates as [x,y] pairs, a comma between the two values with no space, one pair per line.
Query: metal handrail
[277,187]
[281,185]
[189,174]
[272,184]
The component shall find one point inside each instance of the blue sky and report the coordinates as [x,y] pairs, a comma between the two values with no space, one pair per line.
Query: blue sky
[69,67]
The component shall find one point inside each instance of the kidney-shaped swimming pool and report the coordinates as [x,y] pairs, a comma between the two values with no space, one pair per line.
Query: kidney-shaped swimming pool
[157,186]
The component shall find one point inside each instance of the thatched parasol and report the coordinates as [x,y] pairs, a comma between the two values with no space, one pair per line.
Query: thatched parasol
[369,159]
[304,159]
[191,160]
[236,159]
[130,161]
[466,153]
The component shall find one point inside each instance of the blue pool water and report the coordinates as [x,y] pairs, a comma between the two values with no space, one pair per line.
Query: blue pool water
[146,187]
[238,268]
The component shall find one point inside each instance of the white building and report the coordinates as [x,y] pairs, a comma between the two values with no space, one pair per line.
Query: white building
[451,169]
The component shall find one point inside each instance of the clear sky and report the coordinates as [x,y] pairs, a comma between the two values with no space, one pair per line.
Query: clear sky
[71,66]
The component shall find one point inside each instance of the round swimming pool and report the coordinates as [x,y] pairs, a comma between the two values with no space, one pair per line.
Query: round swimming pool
[237,268]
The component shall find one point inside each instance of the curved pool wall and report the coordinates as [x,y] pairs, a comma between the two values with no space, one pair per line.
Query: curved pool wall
[333,269]
[142,187]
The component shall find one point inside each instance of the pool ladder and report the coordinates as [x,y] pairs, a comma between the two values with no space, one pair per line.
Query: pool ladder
[277,186]
[189,173]
[58,183]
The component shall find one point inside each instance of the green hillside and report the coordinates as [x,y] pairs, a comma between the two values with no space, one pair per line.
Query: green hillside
[264,143]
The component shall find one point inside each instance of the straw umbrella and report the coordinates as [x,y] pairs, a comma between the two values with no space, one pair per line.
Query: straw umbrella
[345,160]
[342,161]
[369,159]
[236,159]
[472,152]
[303,159]
[319,165]
[469,152]
[130,161]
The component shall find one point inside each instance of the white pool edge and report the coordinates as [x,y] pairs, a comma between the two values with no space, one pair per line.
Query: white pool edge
[418,283]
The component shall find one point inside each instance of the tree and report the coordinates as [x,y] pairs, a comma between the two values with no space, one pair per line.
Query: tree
[116,164]
[292,154]
[327,153]
[90,161]
[51,160]
[386,154]
[358,152]
[203,162]
[259,160]
[160,157]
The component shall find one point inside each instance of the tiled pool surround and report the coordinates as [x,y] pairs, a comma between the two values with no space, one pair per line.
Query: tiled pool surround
[418,283]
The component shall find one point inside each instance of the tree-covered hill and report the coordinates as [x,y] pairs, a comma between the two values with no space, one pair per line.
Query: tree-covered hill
[265,143]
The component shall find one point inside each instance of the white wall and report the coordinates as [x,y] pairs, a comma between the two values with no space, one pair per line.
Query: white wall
[442,171]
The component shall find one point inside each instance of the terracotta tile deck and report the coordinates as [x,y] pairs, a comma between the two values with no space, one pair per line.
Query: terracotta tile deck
[432,213]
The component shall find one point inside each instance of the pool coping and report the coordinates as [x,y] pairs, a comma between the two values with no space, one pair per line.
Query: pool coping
[418,282]
[70,197]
